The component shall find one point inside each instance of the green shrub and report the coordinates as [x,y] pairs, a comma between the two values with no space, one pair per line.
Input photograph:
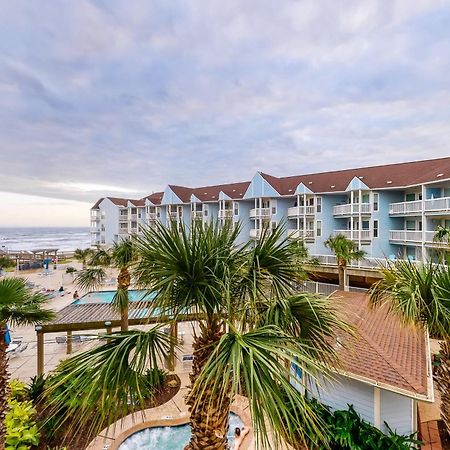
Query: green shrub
[345,430]
[71,270]
[21,429]
[36,388]
[18,390]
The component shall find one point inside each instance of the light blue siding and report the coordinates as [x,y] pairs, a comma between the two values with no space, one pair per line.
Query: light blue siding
[170,198]
[259,187]
[396,411]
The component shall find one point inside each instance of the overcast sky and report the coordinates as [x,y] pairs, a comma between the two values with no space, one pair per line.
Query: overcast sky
[122,97]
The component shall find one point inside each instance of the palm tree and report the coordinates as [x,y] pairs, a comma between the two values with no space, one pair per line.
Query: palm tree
[120,256]
[83,255]
[420,295]
[346,251]
[250,321]
[18,306]
[442,235]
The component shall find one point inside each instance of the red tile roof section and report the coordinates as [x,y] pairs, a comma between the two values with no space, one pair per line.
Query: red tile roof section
[155,198]
[384,349]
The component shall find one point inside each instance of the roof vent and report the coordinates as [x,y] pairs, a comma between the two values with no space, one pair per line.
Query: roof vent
[234,190]
[290,190]
[309,182]
[439,175]
[333,186]
[389,181]
[361,177]
[213,196]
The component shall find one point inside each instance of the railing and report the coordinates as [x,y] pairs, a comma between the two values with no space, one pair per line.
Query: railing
[351,208]
[173,214]
[255,233]
[152,216]
[260,212]
[429,239]
[405,235]
[314,287]
[95,230]
[132,216]
[297,211]
[405,207]
[225,213]
[123,230]
[355,235]
[123,217]
[305,234]
[365,263]
[95,217]
[197,215]
[438,205]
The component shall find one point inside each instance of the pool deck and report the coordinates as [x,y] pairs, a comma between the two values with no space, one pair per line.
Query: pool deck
[174,412]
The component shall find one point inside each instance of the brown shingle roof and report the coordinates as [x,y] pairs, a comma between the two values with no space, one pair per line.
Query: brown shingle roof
[119,201]
[384,350]
[375,177]
[155,198]
[97,203]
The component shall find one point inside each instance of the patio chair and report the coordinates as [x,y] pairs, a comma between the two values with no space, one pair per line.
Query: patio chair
[187,360]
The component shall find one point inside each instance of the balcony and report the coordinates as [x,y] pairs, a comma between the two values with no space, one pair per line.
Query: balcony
[437,206]
[152,216]
[255,234]
[299,211]
[351,209]
[123,231]
[413,236]
[257,213]
[430,242]
[123,218]
[406,208]
[173,215]
[355,235]
[196,215]
[95,217]
[308,235]
[132,216]
[95,230]
[225,213]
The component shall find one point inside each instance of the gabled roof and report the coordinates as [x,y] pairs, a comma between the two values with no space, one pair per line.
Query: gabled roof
[384,350]
[119,201]
[97,203]
[155,198]
[375,177]
[211,193]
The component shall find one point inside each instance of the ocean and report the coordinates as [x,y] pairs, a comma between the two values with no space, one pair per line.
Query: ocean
[62,238]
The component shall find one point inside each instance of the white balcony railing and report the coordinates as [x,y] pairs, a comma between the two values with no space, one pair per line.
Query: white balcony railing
[225,213]
[132,216]
[95,217]
[123,230]
[152,216]
[123,217]
[355,235]
[298,211]
[405,235]
[437,205]
[259,212]
[173,214]
[351,208]
[429,239]
[196,215]
[95,230]
[301,234]
[255,234]
[406,208]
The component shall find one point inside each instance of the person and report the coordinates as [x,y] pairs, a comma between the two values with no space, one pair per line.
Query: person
[75,295]
[239,436]
[61,291]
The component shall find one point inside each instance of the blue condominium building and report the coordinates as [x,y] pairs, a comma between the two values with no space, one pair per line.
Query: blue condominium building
[390,211]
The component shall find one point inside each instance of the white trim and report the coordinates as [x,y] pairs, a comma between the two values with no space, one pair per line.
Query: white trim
[377,407]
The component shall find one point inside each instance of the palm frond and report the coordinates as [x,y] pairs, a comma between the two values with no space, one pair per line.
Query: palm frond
[97,387]
[254,363]
[122,253]
[20,305]
[345,249]
[90,278]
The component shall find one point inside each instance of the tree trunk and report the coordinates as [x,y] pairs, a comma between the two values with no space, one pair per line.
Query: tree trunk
[341,272]
[4,386]
[209,417]
[123,283]
[443,382]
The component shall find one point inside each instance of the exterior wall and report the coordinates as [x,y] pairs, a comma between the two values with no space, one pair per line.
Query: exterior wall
[110,211]
[397,412]
[244,220]
[395,409]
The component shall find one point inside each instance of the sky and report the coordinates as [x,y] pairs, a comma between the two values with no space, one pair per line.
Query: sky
[121,98]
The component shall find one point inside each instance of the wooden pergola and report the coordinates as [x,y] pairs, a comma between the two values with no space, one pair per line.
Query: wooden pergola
[101,316]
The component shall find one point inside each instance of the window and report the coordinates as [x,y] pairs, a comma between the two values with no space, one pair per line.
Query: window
[410,197]
[319,228]
[375,228]
[365,198]
[274,209]
[410,224]
[375,201]
[319,204]
[236,208]
[274,225]
[365,224]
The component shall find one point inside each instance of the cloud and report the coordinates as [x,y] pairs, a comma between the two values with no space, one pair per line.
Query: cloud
[121,98]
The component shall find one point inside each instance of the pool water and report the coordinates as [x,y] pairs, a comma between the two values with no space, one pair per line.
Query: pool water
[107,296]
[169,438]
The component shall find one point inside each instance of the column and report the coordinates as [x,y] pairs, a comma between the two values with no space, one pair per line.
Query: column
[69,343]
[40,350]
[377,407]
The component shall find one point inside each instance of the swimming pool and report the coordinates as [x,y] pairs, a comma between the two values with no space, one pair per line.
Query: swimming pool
[170,438]
[107,296]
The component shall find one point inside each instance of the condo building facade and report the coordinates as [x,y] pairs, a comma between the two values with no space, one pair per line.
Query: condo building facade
[390,211]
